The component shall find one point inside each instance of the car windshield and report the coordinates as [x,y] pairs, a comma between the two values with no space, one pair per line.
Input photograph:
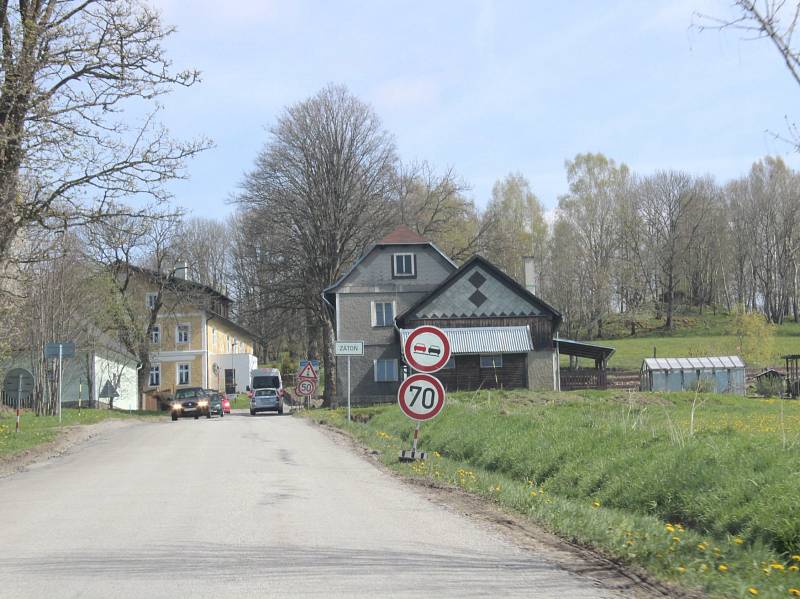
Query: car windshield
[266,393]
[187,393]
[262,381]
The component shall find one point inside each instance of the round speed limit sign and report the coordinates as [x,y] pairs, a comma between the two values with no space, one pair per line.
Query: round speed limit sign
[421,396]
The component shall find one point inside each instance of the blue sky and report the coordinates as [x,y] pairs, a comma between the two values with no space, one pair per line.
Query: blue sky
[484,87]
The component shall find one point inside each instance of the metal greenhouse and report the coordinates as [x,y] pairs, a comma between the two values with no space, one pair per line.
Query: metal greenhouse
[722,374]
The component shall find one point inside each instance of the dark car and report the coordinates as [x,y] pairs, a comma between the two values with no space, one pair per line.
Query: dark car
[190,402]
[266,400]
[215,403]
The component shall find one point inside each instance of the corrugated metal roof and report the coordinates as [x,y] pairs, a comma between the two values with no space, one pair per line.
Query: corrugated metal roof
[703,363]
[485,340]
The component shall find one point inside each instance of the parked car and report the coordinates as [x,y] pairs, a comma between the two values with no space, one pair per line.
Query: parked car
[266,400]
[214,403]
[191,402]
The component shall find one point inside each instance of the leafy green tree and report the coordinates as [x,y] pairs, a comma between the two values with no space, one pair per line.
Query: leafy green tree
[755,338]
[515,226]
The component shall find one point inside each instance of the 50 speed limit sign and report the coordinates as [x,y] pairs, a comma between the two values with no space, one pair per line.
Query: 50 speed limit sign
[421,397]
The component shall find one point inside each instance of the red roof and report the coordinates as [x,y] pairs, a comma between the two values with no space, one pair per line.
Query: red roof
[402,234]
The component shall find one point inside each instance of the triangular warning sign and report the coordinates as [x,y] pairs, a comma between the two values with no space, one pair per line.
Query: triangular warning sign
[307,372]
[109,390]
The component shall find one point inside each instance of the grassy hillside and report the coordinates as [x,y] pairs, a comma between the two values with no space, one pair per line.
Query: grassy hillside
[694,335]
[711,501]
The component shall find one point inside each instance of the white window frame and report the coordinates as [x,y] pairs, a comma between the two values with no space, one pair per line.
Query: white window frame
[188,366]
[387,380]
[411,274]
[157,368]
[188,333]
[150,300]
[374,313]
[155,334]
[496,360]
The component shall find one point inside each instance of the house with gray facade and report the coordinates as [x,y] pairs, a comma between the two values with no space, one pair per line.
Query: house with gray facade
[501,334]
[393,275]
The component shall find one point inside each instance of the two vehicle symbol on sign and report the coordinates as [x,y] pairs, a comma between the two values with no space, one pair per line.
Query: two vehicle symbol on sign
[427,349]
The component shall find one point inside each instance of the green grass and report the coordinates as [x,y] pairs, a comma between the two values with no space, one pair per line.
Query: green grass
[242,402]
[626,473]
[694,335]
[36,430]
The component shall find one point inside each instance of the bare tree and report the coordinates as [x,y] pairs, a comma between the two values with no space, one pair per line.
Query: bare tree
[668,202]
[434,205]
[205,245]
[134,251]
[69,68]
[324,186]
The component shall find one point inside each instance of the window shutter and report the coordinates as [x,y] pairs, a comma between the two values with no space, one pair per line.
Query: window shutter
[375,371]
[372,314]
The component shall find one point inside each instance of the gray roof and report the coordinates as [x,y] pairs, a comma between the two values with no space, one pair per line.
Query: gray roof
[692,363]
[485,340]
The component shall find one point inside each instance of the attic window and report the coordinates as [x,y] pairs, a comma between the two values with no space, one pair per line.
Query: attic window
[404,265]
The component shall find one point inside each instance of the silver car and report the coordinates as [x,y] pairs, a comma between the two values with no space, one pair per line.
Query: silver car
[266,400]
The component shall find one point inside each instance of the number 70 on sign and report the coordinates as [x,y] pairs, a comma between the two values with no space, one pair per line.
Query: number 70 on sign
[421,396]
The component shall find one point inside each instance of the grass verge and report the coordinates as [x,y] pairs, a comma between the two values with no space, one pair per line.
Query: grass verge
[36,430]
[699,491]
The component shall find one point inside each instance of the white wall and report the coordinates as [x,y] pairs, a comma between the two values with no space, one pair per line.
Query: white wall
[241,363]
[110,367]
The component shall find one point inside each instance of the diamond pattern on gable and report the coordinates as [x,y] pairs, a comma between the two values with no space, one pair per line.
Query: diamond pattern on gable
[477,279]
[477,298]
[462,300]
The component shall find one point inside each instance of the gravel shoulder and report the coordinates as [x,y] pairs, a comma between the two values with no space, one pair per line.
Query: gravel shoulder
[67,441]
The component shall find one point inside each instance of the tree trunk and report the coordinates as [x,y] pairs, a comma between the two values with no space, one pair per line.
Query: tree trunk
[670,302]
[328,362]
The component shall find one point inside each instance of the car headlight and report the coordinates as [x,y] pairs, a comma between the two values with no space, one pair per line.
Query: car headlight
[176,406]
[202,404]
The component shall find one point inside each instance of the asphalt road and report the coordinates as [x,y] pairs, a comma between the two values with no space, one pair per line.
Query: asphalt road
[246,506]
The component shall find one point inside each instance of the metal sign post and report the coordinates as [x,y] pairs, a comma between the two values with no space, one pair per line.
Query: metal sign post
[349,348]
[19,400]
[60,350]
[60,356]
[421,396]
[348,389]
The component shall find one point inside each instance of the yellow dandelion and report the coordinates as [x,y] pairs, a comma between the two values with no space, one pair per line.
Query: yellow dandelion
[752,590]
[793,568]
[596,503]
[722,568]
[701,546]
[676,539]
[738,541]
[796,558]
[681,569]
[670,528]
[533,493]
[776,566]
[794,592]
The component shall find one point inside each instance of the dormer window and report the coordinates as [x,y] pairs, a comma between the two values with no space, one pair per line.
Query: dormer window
[404,266]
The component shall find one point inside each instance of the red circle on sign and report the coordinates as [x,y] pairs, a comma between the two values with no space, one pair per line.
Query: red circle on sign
[412,344]
[438,400]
